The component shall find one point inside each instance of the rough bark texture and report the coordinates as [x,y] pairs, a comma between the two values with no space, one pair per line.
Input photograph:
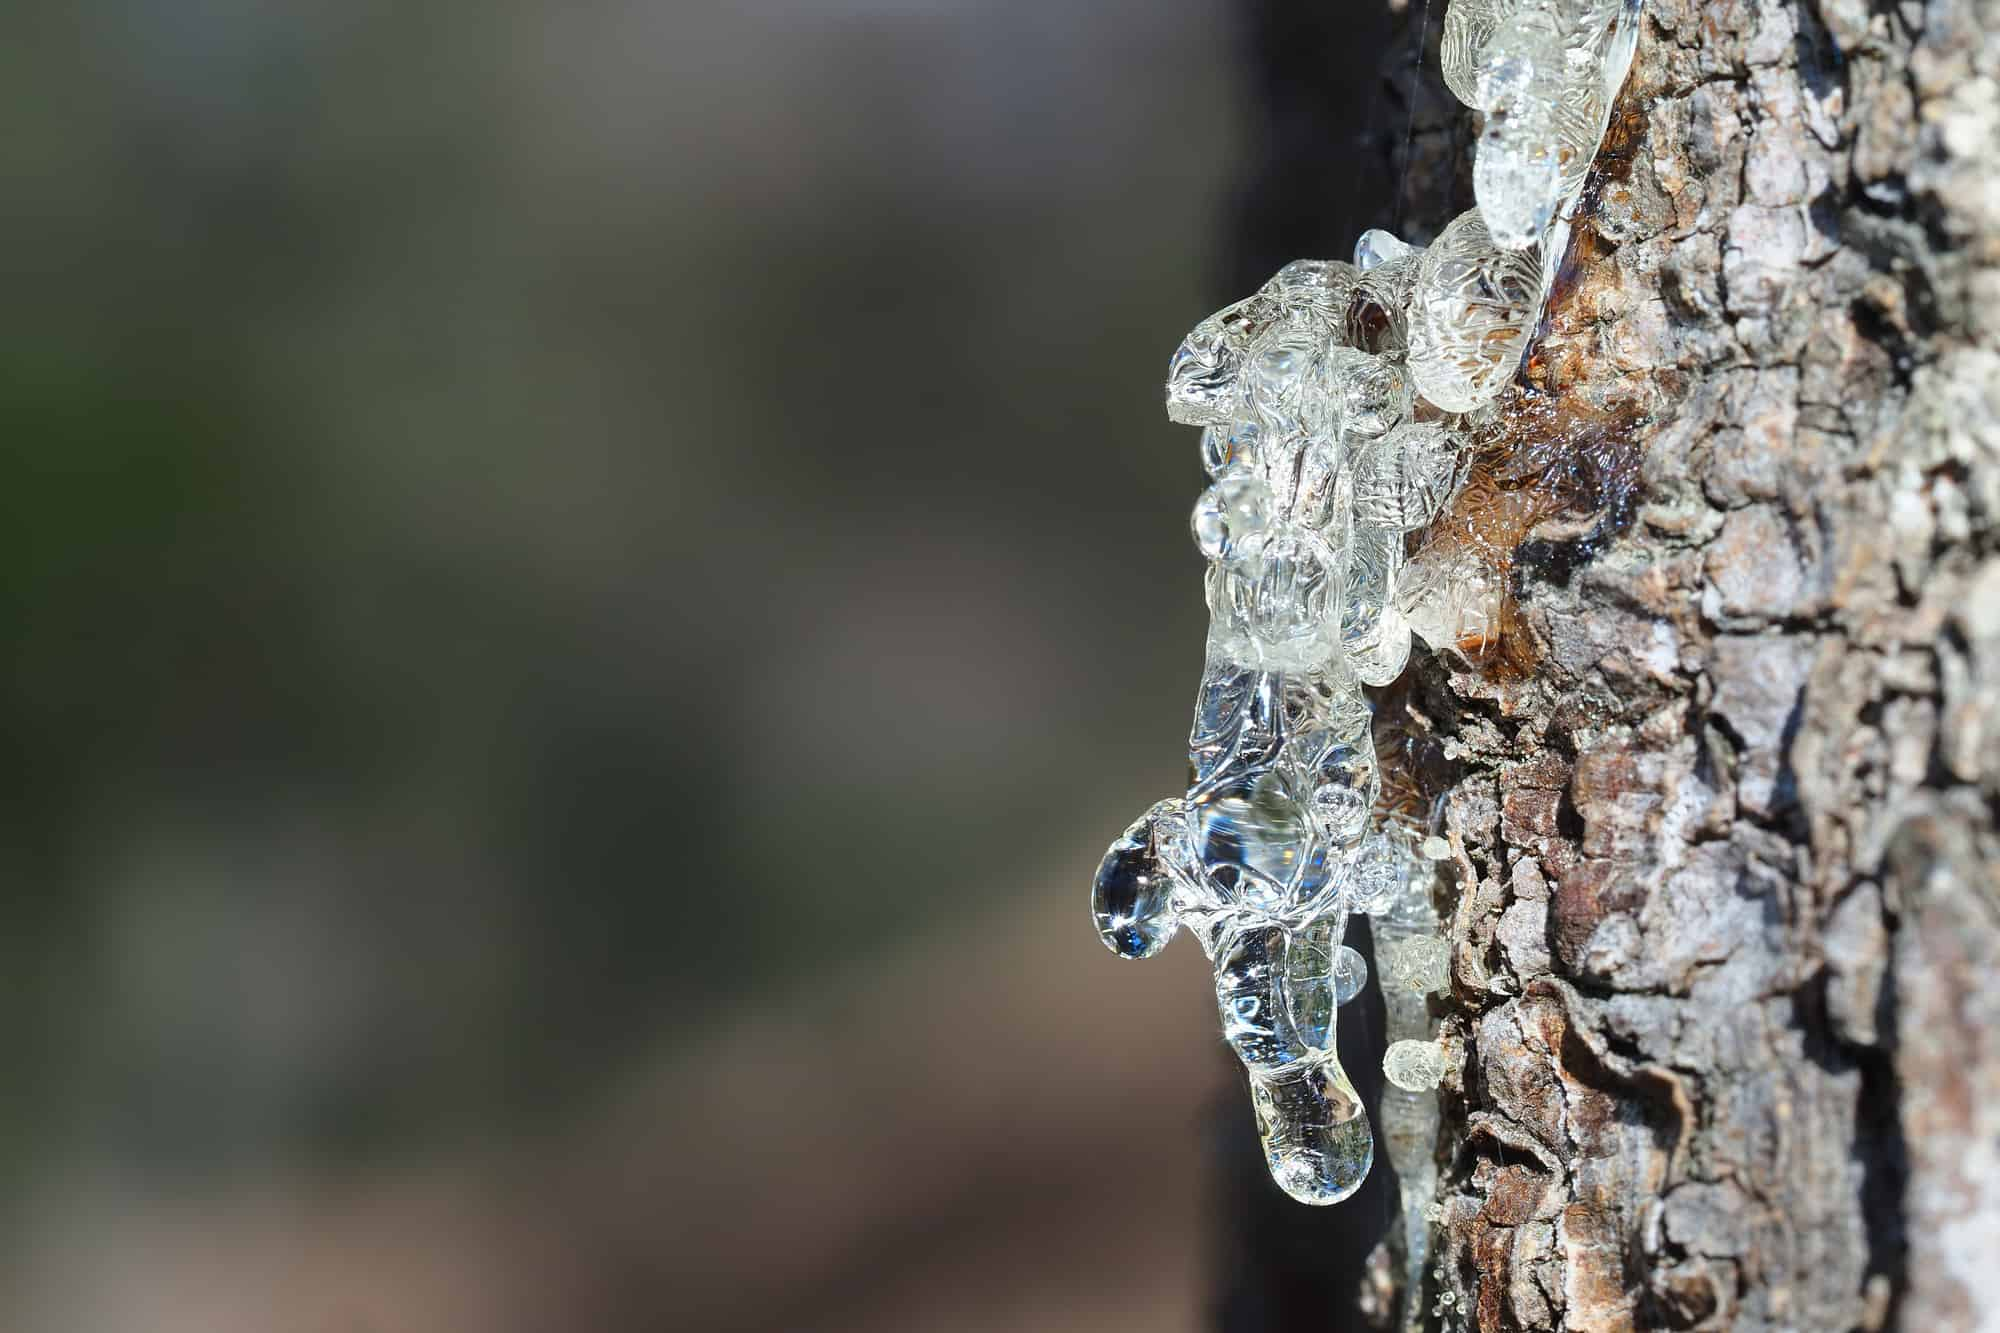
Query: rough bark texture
[1723,1019]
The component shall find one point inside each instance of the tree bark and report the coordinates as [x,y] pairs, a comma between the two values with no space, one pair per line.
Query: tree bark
[1724,894]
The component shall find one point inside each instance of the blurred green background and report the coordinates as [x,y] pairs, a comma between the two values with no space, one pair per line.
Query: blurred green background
[585,583]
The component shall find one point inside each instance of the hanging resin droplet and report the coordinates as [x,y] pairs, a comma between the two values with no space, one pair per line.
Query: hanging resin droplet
[1316,1138]
[1131,899]
[1544,72]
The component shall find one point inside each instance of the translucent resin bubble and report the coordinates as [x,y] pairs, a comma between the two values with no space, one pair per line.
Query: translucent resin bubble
[1467,25]
[1377,319]
[1344,786]
[1202,388]
[1231,448]
[1377,247]
[1416,1066]
[1249,836]
[1132,897]
[1350,974]
[1450,598]
[1362,395]
[1320,288]
[1379,872]
[1230,515]
[1372,630]
[1278,370]
[1406,479]
[1313,979]
[1472,310]
[1316,1139]
[1415,964]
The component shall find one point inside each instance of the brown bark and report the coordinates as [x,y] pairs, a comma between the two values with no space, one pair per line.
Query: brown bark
[1722,804]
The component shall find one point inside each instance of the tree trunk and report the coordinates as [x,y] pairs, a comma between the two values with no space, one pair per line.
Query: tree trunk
[1724,894]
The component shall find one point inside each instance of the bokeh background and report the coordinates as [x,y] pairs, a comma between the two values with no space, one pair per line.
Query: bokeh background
[585,582]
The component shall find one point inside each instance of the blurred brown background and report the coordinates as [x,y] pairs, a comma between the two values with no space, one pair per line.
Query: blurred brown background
[586,583]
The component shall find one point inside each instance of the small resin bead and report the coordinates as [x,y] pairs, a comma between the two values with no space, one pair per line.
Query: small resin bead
[1378,872]
[1414,1066]
[1350,974]
[1377,247]
[1343,792]
[1230,514]
[1417,963]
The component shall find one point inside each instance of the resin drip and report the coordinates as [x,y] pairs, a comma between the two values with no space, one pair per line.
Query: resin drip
[1341,408]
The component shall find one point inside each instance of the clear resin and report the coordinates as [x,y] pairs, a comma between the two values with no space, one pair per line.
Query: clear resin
[1473,308]
[1335,434]
[1545,73]
[1414,1066]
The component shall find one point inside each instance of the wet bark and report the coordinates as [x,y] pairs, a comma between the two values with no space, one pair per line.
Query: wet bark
[1724,892]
